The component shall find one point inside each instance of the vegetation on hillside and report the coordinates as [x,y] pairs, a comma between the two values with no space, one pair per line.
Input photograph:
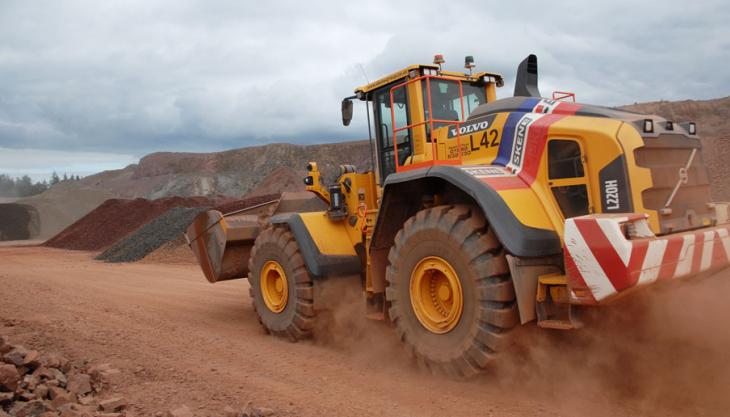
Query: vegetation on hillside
[25,187]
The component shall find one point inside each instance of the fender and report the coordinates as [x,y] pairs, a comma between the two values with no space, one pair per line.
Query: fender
[319,263]
[518,239]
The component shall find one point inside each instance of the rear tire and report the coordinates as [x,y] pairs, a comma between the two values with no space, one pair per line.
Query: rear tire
[280,285]
[461,249]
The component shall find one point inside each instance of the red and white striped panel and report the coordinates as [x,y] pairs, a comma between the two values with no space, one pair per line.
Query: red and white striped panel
[600,262]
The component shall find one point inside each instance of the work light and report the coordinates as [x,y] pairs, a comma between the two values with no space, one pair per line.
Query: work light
[648,126]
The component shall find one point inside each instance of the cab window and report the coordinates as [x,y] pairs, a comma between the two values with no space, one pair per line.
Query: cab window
[446,101]
[474,95]
[384,117]
[566,173]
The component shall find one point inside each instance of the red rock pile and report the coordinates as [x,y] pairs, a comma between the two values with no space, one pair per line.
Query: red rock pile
[117,218]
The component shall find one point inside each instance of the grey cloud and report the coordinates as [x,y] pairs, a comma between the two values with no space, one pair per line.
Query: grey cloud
[133,77]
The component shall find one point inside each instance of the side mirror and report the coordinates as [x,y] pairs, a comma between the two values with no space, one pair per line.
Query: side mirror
[346,112]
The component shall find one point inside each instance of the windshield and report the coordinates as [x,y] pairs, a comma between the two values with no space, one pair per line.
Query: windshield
[446,102]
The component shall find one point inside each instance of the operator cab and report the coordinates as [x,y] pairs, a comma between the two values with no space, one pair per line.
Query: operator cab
[411,105]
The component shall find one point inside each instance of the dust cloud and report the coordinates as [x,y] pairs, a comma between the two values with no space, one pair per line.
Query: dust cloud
[661,351]
[344,327]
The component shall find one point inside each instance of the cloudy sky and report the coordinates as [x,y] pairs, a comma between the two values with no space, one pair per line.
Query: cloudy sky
[91,85]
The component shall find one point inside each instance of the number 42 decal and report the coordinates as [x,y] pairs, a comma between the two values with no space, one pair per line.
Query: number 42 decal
[489,139]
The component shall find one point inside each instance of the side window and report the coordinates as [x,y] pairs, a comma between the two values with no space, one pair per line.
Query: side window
[445,100]
[474,95]
[564,159]
[385,132]
[566,173]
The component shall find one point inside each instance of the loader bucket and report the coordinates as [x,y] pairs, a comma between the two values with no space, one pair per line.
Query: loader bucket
[222,242]
[223,245]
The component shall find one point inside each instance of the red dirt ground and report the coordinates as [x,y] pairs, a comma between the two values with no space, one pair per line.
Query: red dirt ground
[179,340]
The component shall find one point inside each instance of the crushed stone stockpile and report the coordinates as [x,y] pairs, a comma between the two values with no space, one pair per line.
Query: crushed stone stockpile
[176,250]
[152,235]
[117,218]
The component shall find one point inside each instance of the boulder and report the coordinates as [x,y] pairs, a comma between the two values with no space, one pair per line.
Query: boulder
[41,391]
[9,378]
[28,409]
[31,359]
[16,356]
[79,384]
[51,374]
[112,404]
[5,346]
[57,361]
[6,397]
[54,392]
[61,401]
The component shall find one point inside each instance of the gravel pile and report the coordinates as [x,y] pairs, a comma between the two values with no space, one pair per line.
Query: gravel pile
[36,385]
[152,235]
[117,218]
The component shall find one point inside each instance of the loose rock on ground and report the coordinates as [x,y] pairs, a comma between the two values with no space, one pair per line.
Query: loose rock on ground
[36,385]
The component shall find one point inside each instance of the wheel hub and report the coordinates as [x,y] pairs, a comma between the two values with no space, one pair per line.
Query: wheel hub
[436,295]
[274,287]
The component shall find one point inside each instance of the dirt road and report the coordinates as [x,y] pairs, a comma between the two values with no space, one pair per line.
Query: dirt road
[179,340]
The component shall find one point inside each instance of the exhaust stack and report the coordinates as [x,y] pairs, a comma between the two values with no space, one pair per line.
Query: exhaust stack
[526,83]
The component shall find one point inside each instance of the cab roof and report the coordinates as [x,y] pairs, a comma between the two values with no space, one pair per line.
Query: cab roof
[403,73]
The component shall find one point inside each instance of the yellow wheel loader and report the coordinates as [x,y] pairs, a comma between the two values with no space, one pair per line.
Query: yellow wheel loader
[481,215]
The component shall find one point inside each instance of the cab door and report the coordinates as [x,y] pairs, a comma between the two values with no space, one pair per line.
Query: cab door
[568,177]
[385,115]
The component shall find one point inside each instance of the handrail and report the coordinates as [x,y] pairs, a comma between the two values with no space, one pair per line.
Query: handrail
[427,120]
[562,95]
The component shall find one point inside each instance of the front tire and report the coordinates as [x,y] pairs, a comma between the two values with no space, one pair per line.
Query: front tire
[280,286]
[451,296]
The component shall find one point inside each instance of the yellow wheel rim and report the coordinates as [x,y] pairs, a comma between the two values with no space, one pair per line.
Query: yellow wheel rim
[436,295]
[274,288]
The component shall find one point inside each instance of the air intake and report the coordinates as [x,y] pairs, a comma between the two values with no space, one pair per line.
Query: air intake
[526,83]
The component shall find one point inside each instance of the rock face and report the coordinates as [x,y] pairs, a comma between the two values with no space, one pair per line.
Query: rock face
[231,173]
